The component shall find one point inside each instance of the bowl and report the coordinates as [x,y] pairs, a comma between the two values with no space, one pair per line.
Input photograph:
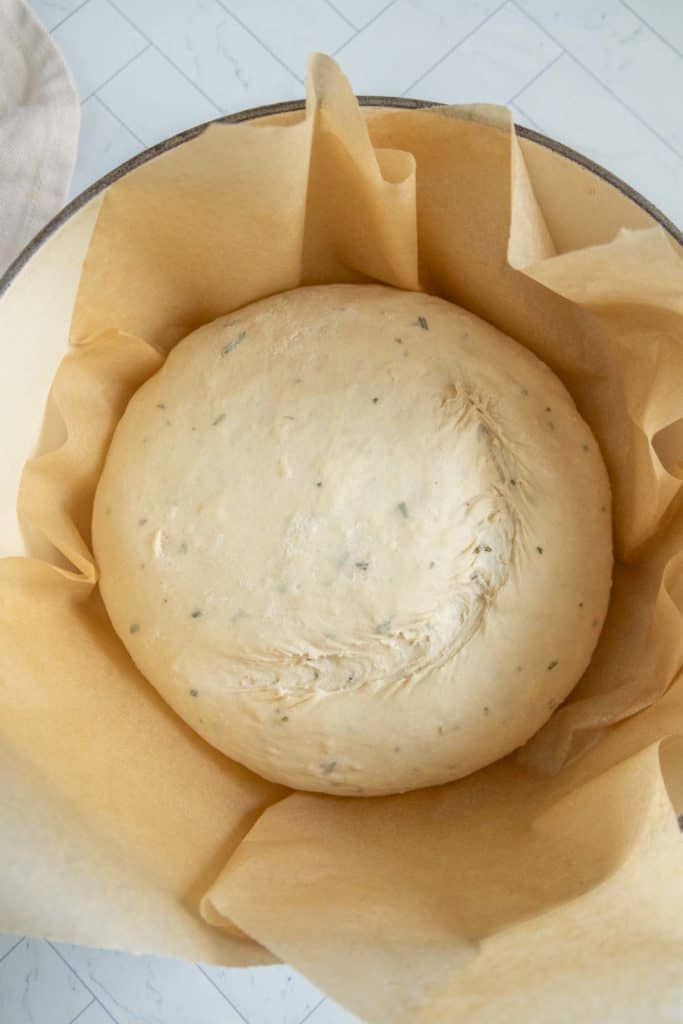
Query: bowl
[38,290]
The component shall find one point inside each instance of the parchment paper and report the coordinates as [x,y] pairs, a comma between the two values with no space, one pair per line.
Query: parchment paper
[546,887]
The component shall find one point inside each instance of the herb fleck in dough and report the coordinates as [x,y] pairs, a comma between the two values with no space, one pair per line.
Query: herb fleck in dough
[396,627]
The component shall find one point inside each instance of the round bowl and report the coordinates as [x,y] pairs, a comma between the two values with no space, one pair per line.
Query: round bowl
[38,289]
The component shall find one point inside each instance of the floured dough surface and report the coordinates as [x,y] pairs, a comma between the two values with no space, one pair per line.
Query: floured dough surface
[356,537]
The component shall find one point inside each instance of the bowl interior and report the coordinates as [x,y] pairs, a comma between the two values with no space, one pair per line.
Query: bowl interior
[583,205]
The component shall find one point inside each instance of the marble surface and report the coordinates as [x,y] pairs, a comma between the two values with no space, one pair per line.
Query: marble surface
[604,76]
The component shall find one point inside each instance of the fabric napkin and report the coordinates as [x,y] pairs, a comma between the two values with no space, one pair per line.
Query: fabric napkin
[39,122]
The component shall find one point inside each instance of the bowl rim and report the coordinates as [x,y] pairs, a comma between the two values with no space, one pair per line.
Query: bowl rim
[289,106]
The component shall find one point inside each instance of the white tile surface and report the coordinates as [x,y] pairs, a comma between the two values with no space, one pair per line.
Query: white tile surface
[7,943]
[520,117]
[154,99]
[293,30]
[208,45]
[623,53]
[53,12]
[595,122]
[148,989]
[97,42]
[330,1012]
[94,1013]
[36,986]
[407,39]
[359,12]
[104,143]
[267,993]
[664,17]
[487,66]
[605,76]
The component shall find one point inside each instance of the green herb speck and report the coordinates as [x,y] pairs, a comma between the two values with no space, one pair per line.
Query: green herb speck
[161,405]
[513,483]
[375,401]
[219,419]
[231,346]
[194,693]
[432,564]
[552,665]
[399,341]
[525,391]
[197,613]
[486,710]
[585,447]
[422,322]
[328,767]
[384,627]
[540,550]
[319,483]
[134,628]
[548,409]
[363,566]
[403,509]
[142,522]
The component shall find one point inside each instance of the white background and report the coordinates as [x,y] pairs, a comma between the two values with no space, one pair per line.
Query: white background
[604,76]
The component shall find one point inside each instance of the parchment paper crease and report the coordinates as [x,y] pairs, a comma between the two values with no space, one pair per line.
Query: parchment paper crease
[547,887]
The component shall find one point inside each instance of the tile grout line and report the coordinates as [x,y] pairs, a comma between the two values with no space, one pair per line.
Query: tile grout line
[538,74]
[312,1010]
[341,15]
[83,983]
[12,948]
[253,35]
[221,992]
[81,1012]
[111,78]
[163,54]
[66,16]
[455,47]
[366,25]
[572,56]
[122,123]
[534,124]
[652,29]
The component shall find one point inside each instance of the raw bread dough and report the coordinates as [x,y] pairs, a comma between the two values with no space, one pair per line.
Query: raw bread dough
[358,538]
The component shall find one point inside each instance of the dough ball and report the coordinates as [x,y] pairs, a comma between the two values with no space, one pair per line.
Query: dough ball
[357,538]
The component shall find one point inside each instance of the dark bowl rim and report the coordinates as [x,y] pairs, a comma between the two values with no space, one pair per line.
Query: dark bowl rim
[398,102]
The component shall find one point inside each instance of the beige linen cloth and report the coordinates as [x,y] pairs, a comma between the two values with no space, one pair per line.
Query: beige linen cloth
[39,121]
